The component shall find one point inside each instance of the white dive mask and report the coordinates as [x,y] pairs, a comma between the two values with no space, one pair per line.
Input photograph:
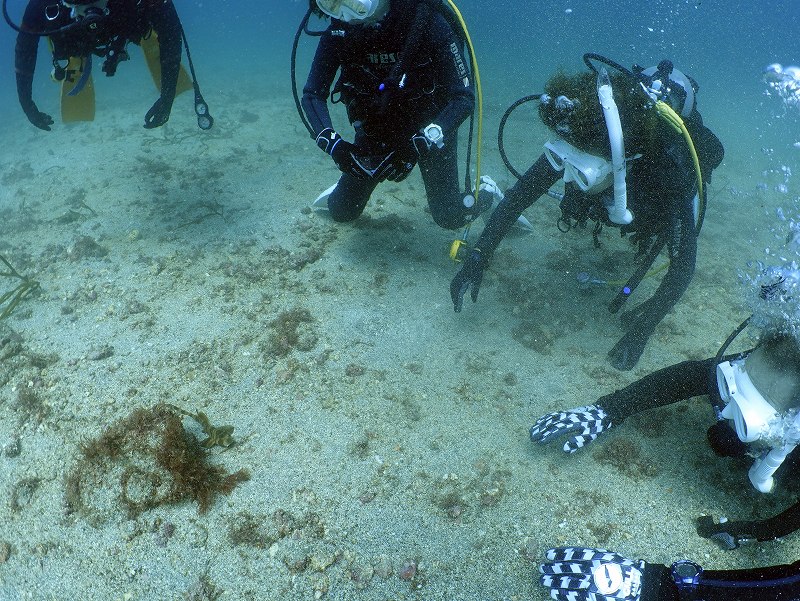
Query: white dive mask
[349,10]
[592,174]
[79,10]
[761,394]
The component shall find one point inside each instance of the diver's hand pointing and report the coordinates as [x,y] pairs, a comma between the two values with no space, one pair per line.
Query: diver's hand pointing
[471,275]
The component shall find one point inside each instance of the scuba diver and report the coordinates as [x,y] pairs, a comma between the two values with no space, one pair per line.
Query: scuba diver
[406,86]
[756,397]
[634,154]
[80,29]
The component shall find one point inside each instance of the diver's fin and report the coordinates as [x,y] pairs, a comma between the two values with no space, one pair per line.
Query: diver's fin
[523,224]
[77,91]
[489,185]
[321,201]
[152,55]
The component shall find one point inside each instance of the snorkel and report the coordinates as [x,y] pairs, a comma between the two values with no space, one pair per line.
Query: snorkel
[618,212]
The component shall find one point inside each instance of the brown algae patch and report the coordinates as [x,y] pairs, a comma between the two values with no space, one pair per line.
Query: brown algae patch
[143,461]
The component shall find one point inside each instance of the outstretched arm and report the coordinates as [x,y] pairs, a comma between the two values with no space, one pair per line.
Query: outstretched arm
[534,183]
[730,534]
[678,189]
[582,425]
[588,574]
[25,65]
[165,22]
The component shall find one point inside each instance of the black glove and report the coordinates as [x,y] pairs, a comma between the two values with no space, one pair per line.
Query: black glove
[471,274]
[589,422]
[37,118]
[344,154]
[402,160]
[720,532]
[158,114]
[398,166]
[586,574]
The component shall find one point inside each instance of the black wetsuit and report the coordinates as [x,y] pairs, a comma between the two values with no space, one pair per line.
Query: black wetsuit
[127,21]
[684,381]
[436,89]
[774,583]
[661,188]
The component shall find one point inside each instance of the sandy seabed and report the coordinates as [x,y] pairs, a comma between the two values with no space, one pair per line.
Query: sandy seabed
[384,435]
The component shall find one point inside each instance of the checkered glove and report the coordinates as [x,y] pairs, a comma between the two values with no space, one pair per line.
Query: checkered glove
[586,574]
[589,422]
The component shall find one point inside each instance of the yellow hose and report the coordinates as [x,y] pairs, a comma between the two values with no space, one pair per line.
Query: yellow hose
[478,94]
[666,112]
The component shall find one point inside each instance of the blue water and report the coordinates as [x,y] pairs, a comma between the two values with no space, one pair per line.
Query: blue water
[245,46]
[241,50]
[724,44]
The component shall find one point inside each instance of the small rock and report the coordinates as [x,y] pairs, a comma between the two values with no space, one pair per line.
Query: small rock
[86,247]
[353,370]
[5,551]
[97,353]
[383,567]
[408,570]
[321,584]
[12,448]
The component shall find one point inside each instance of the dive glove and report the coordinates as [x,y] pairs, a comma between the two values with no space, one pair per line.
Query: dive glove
[471,275]
[37,117]
[586,574]
[343,153]
[728,535]
[158,114]
[401,162]
[589,422]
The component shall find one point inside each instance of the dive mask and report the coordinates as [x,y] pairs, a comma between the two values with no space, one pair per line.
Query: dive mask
[592,174]
[82,10]
[349,10]
[761,394]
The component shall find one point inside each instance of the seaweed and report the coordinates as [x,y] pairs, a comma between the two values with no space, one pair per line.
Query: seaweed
[158,462]
[290,330]
[15,296]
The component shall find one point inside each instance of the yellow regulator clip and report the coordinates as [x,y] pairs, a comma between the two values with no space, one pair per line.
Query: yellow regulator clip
[459,247]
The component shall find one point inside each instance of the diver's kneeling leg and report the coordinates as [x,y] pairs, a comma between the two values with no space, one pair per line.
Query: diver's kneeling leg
[350,197]
[439,170]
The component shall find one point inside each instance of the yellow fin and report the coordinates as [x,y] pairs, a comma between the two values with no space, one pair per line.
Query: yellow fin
[152,54]
[79,107]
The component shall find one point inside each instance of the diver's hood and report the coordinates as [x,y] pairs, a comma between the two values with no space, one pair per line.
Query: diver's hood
[774,369]
[761,387]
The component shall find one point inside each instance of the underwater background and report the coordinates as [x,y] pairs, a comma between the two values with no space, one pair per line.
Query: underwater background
[380,440]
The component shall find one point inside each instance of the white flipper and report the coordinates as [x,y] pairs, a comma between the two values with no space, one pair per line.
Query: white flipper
[523,224]
[321,201]
[488,184]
